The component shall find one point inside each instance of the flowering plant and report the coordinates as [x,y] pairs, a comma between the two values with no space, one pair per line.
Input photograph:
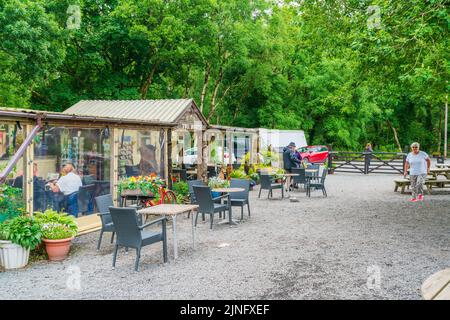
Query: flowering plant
[216,182]
[150,184]
[56,225]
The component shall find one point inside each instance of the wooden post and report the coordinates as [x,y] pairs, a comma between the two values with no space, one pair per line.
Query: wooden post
[199,136]
[222,141]
[114,165]
[168,160]
[230,146]
[28,175]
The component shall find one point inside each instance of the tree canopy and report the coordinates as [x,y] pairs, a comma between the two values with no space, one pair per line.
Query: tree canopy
[345,71]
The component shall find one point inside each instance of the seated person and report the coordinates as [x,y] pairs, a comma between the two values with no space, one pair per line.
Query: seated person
[68,184]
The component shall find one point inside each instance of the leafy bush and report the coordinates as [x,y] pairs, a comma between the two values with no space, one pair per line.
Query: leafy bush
[238,174]
[22,230]
[11,202]
[181,190]
[56,225]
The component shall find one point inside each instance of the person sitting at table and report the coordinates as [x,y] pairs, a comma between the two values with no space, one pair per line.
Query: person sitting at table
[68,184]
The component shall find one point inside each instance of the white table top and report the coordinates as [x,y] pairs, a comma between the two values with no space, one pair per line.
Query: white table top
[228,190]
[168,209]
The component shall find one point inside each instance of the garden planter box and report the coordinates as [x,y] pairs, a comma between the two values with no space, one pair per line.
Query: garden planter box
[13,256]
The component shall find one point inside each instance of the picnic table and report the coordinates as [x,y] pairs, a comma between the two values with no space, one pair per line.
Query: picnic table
[430,182]
[437,286]
[443,165]
[435,172]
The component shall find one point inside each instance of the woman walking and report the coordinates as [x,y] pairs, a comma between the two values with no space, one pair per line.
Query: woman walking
[418,163]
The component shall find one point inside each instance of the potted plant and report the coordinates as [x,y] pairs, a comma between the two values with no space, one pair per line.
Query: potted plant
[216,182]
[58,231]
[18,236]
[278,175]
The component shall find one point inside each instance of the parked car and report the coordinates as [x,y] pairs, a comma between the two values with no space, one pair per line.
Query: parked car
[314,154]
[190,155]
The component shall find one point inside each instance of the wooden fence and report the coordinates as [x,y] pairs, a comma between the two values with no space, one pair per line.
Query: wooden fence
[366,162]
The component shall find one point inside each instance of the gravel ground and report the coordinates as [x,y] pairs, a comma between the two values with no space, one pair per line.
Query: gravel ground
[318,248]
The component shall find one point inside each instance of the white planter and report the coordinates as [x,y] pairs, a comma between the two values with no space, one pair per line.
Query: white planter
[13,256]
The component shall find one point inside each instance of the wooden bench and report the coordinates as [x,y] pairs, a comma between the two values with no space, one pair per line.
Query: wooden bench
[437,286]
[438,183]
[401,183]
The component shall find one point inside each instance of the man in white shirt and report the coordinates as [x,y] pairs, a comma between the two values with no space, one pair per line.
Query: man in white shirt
[69,184]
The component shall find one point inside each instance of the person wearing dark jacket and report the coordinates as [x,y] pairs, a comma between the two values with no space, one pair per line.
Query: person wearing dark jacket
[290,160]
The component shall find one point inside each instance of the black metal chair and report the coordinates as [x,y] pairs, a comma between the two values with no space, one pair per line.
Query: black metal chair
[207,205]
[86,198]
[301,178]
[267,183]
[131,235]
[240,199]
[103,203]
[317,185]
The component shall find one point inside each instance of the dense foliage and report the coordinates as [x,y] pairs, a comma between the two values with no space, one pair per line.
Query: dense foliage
[331,68]
[11,202]
[55,225]
[22,230]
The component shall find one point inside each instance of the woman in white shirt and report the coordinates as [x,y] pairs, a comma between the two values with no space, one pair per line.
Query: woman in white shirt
[418,162]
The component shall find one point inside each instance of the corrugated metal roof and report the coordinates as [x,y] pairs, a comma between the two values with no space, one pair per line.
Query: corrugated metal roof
[166,110]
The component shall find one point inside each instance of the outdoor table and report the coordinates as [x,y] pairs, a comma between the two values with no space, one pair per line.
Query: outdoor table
[228,191]
[173,210]
[288,181]
[440,171]
[437,286]
[442,165]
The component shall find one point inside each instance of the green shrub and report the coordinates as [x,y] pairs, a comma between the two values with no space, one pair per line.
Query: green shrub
[11,202]
[22,230]
[238,174]
[181,190]
[56,225]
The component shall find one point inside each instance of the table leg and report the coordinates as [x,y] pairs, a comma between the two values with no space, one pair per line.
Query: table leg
[174,229]
[230,216]
[193,229]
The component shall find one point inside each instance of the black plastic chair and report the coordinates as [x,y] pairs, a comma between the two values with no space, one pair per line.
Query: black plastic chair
[240,199]
[103,203]
[131,235]
[267,183]
[207,205]
[86,198]
[301,178]
[317,185]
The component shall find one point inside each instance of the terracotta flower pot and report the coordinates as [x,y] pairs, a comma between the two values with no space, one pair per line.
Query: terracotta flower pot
[57,250]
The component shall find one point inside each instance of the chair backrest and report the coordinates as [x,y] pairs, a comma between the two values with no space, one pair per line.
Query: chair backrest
[183,174]
[211,172]
[240,183]
[191,184]
[85,196]
[126,226]
[266,181]
[236,166]
[301,178]
[204,198]
[324,175]
[103,203]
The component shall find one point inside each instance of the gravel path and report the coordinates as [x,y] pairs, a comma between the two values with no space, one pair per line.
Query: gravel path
[318,248]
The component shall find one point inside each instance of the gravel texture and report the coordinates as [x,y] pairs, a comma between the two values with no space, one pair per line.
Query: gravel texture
[317,248]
